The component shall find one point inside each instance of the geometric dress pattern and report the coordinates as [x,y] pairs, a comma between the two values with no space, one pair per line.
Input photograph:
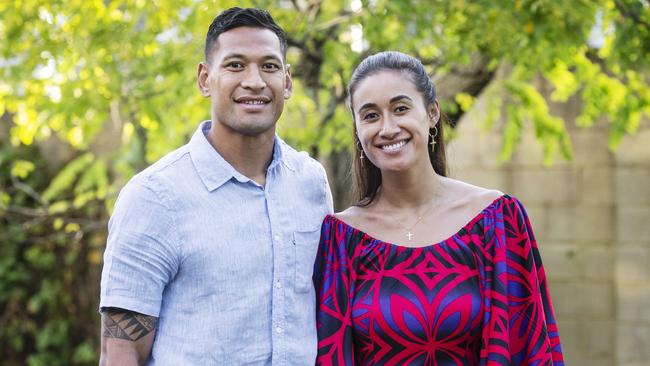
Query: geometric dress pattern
[479,297]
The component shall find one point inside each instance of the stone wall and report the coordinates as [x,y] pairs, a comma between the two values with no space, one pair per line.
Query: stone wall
[591,217]
[632,250]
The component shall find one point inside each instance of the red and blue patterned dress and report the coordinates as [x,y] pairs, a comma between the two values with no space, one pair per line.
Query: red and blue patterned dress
[479,297]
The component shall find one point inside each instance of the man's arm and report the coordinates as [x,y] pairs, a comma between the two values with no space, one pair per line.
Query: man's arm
[127,337]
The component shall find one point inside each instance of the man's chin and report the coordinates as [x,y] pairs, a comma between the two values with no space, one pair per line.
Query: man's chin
[249,124]
[254,133]
[255,129]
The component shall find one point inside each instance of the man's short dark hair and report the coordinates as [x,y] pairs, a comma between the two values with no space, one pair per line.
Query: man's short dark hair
[247,17]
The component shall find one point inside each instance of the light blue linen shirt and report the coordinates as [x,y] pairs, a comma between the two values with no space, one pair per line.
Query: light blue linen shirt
[224,263]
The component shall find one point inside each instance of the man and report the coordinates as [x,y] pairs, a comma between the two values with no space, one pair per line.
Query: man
[211,249]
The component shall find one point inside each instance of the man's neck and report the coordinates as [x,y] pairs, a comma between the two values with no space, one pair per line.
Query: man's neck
[250,155]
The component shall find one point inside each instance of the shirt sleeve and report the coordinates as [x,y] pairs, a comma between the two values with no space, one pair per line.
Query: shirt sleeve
[333,280]
[140,257]
[328,193]
[522,329]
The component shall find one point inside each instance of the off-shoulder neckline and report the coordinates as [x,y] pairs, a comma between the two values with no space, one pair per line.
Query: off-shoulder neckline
[372,239]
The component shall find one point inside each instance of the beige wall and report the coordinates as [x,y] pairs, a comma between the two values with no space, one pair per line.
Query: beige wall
[591,217]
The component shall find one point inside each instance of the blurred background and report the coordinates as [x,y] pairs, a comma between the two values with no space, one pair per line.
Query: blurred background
[547,100]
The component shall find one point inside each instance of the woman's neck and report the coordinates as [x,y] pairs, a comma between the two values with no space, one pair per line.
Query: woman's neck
[411,189]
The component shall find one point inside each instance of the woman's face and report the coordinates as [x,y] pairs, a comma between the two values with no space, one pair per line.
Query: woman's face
[392,122]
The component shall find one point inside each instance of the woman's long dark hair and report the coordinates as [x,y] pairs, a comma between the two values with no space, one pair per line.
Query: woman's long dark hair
[367,177]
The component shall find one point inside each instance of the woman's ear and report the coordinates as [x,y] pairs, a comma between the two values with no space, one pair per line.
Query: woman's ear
[433,111]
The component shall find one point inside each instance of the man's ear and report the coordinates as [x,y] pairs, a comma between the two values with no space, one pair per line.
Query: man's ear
[433,111]
[288,83]
[202,74]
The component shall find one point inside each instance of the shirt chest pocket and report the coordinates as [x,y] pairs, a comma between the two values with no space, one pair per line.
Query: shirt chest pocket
[305,244]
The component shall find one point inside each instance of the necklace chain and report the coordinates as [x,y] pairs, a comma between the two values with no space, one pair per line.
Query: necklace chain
[410,235]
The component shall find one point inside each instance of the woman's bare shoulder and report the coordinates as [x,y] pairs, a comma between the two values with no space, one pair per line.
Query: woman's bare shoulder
[471,196]
[362,218]
[352,215]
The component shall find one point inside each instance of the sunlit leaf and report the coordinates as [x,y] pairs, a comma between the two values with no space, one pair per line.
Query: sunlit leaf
[22,168]
[65,179]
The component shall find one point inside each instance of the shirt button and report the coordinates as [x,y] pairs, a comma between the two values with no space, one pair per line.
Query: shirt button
[276,237]
[278,284]
[278,329]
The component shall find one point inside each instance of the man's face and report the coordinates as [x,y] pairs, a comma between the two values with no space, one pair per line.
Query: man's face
[246,79]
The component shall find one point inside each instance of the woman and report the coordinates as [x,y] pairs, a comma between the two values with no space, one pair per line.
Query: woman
[424,269]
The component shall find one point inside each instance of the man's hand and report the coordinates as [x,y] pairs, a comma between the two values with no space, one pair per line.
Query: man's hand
[127,337]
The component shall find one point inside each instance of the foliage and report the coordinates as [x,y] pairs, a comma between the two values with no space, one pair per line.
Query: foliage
[92,91]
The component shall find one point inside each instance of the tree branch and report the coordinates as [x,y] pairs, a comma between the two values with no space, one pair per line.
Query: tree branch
[343,17]
[25,211]
[296,5]
[28,190]
[331,107]
[28,215]
[313,9]
[631,14]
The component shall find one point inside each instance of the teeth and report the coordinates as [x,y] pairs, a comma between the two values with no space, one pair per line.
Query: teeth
[393,147]
[252,102]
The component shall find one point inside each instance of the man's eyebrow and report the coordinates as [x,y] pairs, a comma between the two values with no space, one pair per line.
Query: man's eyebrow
[234,55]
[272,57]
[245,58]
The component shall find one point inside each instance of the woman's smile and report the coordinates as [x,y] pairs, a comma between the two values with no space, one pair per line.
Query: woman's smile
[394,147]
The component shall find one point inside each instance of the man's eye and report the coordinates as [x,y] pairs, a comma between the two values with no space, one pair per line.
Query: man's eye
[270,66]
[235,65]
[401,109]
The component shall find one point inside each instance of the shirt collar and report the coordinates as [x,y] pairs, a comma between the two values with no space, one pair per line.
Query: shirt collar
[214,170]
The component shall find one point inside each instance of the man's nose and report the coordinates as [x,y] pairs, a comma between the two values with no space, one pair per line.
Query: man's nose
[253,79]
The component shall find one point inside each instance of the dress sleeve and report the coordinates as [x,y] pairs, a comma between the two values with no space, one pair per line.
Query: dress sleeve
[333,281]
[521,329]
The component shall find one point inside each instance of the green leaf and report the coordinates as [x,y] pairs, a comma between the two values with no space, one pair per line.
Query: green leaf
[65,179]
[464,100]
[22,168]
[84,353]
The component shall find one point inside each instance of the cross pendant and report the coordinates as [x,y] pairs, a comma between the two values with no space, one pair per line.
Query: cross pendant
[409,235]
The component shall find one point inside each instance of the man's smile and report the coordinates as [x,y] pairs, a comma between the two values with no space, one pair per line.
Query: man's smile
[253,100]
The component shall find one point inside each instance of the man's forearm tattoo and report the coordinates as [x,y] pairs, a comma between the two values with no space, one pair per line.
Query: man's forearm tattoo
[129,325]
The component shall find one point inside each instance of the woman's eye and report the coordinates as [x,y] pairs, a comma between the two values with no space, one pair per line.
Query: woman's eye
[371,115]
[401,109]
